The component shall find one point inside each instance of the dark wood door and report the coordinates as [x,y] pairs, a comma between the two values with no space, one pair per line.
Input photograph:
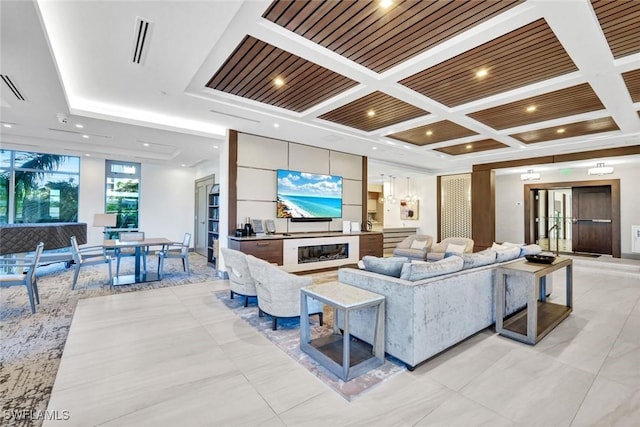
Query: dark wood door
[591,219]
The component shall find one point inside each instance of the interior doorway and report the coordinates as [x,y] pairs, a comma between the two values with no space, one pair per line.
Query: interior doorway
[202,188]
[574,217]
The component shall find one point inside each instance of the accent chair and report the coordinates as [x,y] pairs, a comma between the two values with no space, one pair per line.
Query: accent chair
[89,255]
[450,244]
[20,278]
[415,247]
[176,250]
[279,291]
[240,280]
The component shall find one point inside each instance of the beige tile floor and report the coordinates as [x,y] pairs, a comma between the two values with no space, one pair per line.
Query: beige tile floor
[179,357]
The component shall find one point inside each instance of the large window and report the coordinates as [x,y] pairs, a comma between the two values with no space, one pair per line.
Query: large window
[38,187]
[123,192]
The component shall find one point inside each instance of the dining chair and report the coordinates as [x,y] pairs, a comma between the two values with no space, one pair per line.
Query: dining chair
[175,250]
[20,278]
[130,236]
[89,255]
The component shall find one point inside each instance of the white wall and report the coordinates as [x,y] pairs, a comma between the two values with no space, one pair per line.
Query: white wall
[510,203]
[167,202]
[166,199]
[91,196]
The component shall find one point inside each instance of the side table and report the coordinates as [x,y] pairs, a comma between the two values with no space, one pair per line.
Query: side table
[341,356]
[540,316]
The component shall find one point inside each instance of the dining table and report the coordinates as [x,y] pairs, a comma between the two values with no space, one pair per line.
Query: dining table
[139,275]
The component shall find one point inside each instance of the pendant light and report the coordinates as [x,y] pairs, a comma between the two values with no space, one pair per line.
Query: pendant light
[381,199]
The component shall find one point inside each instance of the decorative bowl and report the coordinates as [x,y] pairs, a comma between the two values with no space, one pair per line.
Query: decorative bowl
[541,259]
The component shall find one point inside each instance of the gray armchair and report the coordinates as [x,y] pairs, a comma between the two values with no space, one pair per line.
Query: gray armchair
[240,280]
[458,244]
[415,247]
[279,291]
[28,279]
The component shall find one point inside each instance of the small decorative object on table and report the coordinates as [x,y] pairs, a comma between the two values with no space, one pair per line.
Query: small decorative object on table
[541,258]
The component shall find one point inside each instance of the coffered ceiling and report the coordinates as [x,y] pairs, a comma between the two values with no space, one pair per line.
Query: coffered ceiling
[434,85]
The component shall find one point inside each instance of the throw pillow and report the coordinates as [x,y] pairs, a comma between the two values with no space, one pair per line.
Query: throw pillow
[389,266]
[478,259]
[456,249]
[418,271]
[498,247]
[530,250]
[512,245]
[419,244]
[508,254]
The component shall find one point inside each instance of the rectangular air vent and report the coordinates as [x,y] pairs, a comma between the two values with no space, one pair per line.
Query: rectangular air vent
[12,87]
[141,40]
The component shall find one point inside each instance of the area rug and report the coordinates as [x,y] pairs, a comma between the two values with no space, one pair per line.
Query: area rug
[31,344]
[287,338]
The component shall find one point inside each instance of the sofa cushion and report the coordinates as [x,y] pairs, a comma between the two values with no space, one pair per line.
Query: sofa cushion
[532,249]
[478,259]
[418,244]
[389,266]
[456,249]
[507,254]
[418,271]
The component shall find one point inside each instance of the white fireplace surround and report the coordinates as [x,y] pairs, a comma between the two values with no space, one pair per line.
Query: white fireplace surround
[290,252]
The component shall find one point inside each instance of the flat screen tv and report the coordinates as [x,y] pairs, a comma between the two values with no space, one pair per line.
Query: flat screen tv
[308,196]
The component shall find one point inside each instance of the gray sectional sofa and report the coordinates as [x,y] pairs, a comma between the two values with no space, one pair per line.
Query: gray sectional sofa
[425,317]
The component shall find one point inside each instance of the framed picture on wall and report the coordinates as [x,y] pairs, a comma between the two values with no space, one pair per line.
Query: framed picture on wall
[409,209]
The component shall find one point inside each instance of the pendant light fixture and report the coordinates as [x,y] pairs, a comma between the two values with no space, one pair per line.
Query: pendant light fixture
[410,197]
[381,199]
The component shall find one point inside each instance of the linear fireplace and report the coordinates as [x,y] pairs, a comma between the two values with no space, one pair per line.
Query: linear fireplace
[319,253]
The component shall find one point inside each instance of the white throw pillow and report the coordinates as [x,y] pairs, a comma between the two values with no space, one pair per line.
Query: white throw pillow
[498,247]
[456,249]
[418,244]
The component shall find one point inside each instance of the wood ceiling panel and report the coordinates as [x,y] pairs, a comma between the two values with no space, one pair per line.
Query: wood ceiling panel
[379,38]
[620,20]
[588,127]
[435,132]
[632,80]
[553,105]
[472,147]
[388,111]
[524,56]
[251,69]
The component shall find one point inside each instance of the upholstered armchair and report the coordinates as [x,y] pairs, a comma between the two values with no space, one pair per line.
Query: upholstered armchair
[240,280]
[279,291]
[416,247]
[26,279]
[450,244]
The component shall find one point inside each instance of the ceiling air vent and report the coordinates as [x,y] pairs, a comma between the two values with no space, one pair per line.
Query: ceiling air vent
[12,87]
[140,40]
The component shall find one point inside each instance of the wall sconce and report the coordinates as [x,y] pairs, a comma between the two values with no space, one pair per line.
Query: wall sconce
[600,169]
[530,176]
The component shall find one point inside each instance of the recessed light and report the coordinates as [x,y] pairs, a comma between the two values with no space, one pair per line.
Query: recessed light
[183,165]
[87,155]
[442,156]
[374,148]
[276,125]
[146,144]
[371,113]
[482,73]
[531,108]
[278,81]
[215,147]
[85,136]
[386,4]
[469,146]
[7,125]
[561,130]
[79,126]
[429,132]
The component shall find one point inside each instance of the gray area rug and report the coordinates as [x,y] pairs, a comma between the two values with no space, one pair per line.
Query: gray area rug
[32,344]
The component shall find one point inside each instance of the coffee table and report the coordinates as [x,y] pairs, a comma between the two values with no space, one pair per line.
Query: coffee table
[345,358]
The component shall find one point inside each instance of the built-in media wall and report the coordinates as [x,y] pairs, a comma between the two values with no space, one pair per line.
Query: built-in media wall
[258,161]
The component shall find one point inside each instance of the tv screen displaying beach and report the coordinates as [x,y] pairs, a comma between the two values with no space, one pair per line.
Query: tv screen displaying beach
[308,195]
